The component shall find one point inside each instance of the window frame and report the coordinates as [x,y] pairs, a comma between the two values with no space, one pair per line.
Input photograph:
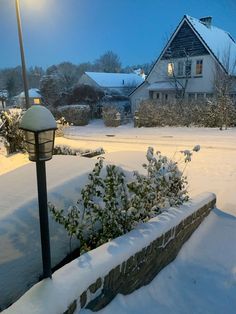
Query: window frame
[188,64]
[199,65]
[170,69]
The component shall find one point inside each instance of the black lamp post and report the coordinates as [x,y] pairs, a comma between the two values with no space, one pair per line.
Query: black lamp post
[39,126]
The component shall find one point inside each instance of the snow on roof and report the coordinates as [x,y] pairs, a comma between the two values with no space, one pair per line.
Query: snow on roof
[33,93]
[166,85]
[220,42]
[115,79]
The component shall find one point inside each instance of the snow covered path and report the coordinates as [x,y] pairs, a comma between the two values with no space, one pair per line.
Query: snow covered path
[201,280]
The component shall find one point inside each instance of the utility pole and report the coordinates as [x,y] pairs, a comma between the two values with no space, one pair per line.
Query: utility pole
[24,74]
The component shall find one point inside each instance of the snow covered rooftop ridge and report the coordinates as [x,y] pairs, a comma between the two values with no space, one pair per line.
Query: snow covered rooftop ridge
[33,93]
[220,43]
[116,79]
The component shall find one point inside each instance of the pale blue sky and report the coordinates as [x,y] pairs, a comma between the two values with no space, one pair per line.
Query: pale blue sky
[82,30]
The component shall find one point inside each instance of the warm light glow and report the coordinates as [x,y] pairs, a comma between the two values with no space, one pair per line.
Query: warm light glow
[170,68]
[34,5]
[37,101]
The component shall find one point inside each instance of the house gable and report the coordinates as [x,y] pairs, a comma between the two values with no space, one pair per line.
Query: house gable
[185,42]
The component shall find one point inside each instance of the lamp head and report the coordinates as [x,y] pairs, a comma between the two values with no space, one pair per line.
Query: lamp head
[39,126]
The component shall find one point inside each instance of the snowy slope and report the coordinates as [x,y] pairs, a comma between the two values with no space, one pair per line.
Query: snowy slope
[20,250]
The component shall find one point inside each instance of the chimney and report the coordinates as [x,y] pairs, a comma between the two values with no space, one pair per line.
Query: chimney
[206,21]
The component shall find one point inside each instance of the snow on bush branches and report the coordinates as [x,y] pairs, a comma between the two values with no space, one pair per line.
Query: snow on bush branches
[9,130]
[111,205]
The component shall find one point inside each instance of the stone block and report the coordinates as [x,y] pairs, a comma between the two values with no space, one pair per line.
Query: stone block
[83,299]
[95,286]
[71,309]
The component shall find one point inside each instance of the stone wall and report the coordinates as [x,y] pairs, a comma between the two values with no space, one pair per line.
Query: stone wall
[141,268]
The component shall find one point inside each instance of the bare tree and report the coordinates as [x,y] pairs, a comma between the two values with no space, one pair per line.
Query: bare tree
[108,62]
[180,82]
[224,81]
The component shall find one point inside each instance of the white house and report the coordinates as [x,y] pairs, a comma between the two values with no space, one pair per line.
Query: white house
[112,83]
[34,97]
[189,61]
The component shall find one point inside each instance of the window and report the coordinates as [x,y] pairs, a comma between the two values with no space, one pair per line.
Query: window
[188,68]
[36,101]
[191,97]
[151,94]
[200,96]
[157,95]
[180,68]
[209,95]
[199,64]
[170,69]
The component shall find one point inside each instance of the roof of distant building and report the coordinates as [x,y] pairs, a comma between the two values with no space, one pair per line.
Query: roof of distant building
[33,93]
[114,80]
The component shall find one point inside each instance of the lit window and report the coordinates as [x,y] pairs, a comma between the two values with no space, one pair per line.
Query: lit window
[36,101]
[199,67]
[188,67]
[170,69]
[180,68]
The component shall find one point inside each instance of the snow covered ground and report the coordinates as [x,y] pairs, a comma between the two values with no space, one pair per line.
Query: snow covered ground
[201,280]
[212,169]
[203,277]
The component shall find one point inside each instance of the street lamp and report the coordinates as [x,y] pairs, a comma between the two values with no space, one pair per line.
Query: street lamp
[22,54]
[39,126]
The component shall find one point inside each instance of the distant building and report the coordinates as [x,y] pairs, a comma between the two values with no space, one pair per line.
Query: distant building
[34,97]
[189,61]
[112,83]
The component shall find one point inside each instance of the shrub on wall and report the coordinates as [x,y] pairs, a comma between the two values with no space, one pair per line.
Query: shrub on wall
[111,205]
[152,113]
[76,114]
[9,130]
[110,116]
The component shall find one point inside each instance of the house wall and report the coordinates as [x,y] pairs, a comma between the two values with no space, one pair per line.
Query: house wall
[85,79]
[196,83]
[140,94]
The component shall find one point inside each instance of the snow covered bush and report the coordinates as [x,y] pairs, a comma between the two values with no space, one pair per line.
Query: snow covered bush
[76,114]
[111,116]
[9,130]
[111,204]
[61,125]
[67,150]
[152,113]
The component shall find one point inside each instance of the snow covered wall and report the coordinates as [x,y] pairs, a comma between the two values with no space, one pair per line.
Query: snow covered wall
[120,266]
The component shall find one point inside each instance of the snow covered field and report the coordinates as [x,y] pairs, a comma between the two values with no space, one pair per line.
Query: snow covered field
[203,277]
